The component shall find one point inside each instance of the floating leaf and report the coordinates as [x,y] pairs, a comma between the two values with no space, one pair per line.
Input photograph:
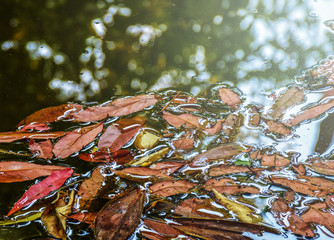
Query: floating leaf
[31,216]
[293,96]
[228,186]
[85,217]
[186,119]
[228,169]
[229,97]
[254,116]
[325,167]
[141,174]
[151,158]
[223,152]
[42,189]
[119,107]
[184,143]
[75,140]
[311,112]
[13,171]
[167,167]
[244,213]
[35,127]
[51,114]
[42,149]
[287,217]
[7,137]
[215,129]
[171,187]
[99,156]
[277,128]
[272,160]
[231,124]
[120,216]
[146,140]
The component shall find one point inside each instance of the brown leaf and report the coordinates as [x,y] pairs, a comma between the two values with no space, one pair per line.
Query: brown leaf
[171,187]
[85,217]
[184,143]
[228,169]
[229,97]
[118,107]
[13,171]
[167,167]
[141,174]
[254,116]
[51,114]
[199,208]
[228,186]
[311,112]
[231,124]
[215,129]
[293,96]
[89,189]
[325,167]
[7,137]
[34,127]
[274,160]
[313,186]
[287,217]
[186,119]
[223,152]
[42,149]
[215,229]
[120,216]
[98,156]
[277,128]
[75,140]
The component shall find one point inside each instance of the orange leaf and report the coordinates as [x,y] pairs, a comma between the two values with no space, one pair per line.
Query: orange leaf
[229,97]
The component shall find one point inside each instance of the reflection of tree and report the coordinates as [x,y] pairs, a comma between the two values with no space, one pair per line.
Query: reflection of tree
[179,44]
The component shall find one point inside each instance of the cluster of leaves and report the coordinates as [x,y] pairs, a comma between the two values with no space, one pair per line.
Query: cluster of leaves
[167,166]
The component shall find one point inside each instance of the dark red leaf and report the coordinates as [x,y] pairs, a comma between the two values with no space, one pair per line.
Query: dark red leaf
[7,137]
[99,156]
[42,149]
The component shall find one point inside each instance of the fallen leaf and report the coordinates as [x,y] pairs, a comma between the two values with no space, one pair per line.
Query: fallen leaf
[42,149]
[229,97]
[274,160]
[228,169]
[288,218]
[31,216]
[254,116]
[293,96]
[120,216]
[186,119]
[42,189]
[277,128]
[13,171]
[184,143]
[85,217]
[171,187]
[51,114]
[122,156]
[311,112]
[223,152]
[99,156]
[151,158]
[325,167]
[75,140]
[7,137]
[146,140]
[34,127]
[215,129]
[118,107]
[232,124]
[167,167]
[228,186]
[141,174]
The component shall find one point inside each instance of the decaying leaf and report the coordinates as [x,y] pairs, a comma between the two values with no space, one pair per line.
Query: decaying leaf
[34,127]
[151,158]
[75,140]
[120,216]
[13,171]
[228,186]
[42,149]
[223,152]
[186,119]
[228,169]
[51,114]
[7,137]
[325,167]
[171,187]
[288,218]
[289,98]
[142,174]
[43,188]
[254,116]
[119,107]
[214,129]
[31,216]
[229,97]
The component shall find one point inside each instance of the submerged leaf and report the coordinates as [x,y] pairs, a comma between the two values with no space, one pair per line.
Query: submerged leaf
[151,158]
[171,187]
[146,140]
[228,169]
[186,119]
[228,186]
[42,149]
[141,174]
[229,97]
[120,216]
[7,137]
[325,167]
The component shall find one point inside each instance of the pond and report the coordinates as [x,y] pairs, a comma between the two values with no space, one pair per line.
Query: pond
[89,52]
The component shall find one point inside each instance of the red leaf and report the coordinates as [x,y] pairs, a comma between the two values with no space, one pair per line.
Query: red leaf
[86,217]
[120,217]
[42,149]
[99,156]
[42,189]
[7,137]
[229,97]
[184,143]
[119,107]
[51,114]
[23,171]
[74,141]
[171,187]
[186,119]
[35,127]
[122,156]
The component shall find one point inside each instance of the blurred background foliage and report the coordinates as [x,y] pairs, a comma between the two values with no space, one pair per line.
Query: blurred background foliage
[55,51]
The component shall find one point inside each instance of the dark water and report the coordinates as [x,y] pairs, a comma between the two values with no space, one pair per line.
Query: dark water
[55,51]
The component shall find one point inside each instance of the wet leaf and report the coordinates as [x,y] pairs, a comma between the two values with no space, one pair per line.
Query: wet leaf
[228,186]
[51,114]
[21,219]
[215,229]
[229,97]
[223,152]
[167,167]
[151,158]
[272,160]
[89,189]
[244,213]
[325,167]
[75,140]
[231,125]
[287,217]
[42,149]
[171,187]
[118,107]
[228,169]
[254,116]
[277,128]
[215,129]
[184,143]
[146,140]
[120,216]
[313,186]
[85,217]
[99,156]
[35,127]
[293,96]
[311,112]
[43,188]
[7,137]
[142,174]
[186,119]
[13,171]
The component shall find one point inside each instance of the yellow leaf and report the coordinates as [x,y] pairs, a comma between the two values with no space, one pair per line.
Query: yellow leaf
[31,216]
[146,140]
[243,212]
[151,158]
